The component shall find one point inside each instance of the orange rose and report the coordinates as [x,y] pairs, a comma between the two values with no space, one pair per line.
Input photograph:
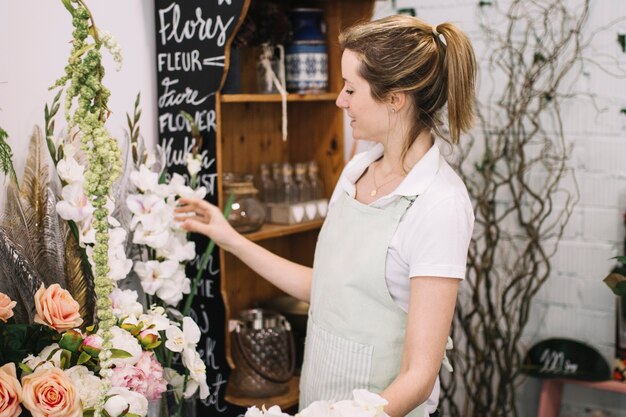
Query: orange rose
[10,391]
[50,393]
[6,307]
[56,308]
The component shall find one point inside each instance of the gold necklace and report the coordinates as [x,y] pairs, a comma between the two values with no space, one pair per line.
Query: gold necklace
[377,187]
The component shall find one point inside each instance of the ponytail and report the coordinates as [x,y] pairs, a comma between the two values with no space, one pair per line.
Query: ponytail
[461,72]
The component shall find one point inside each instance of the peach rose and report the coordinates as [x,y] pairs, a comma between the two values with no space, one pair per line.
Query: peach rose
[6,307]
[10,392]
[56,308]
[50,393]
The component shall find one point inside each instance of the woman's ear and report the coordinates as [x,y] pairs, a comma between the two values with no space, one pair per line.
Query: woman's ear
[397,101]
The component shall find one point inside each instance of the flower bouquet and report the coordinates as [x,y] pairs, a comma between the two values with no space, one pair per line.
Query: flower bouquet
[93,291]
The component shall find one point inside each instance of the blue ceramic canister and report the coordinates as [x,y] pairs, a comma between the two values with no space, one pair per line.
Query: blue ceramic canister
[306,58]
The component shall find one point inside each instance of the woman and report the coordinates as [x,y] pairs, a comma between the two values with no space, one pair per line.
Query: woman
[393,248]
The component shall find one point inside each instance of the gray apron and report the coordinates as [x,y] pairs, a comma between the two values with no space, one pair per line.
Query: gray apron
[355,331]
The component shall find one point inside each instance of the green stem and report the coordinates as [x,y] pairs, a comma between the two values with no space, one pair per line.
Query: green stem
[205,259]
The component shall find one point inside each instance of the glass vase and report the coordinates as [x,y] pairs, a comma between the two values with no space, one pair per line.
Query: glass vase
[172,404]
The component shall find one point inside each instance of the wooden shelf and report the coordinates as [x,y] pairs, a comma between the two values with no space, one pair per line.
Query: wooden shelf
[269,231]
[275,98]
[285,401]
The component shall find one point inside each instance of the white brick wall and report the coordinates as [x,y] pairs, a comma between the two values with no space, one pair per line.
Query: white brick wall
[574,302]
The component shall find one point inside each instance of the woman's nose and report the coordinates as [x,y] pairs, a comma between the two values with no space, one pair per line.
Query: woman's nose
[341,101]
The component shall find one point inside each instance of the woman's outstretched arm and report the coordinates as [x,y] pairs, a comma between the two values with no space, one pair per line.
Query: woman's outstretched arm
[200,216]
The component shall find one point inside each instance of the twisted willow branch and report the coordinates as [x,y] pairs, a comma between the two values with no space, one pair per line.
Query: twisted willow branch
[521,204]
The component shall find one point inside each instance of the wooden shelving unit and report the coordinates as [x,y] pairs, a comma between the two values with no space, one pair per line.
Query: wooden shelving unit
[284,401]
[275,98]
[249,133]
[269,231]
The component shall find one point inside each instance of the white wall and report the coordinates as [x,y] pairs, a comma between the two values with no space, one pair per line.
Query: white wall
[34,47]
[34,36]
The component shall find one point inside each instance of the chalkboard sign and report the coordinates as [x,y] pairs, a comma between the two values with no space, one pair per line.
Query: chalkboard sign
[565,358]
[192,37]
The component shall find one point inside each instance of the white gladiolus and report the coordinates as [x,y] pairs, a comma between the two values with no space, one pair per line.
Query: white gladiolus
[145,179]
[70,170]
[74,204]
[124,303]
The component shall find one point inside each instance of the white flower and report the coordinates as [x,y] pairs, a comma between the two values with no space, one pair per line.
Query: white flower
[145,179]
[171,290]
[110,206]
[119,264]
[49,357]
[349,408]
[155,240]
[87,384]
[369,400]
[86,232]
[75,205]
[197,374]
[121,399]
[253,412]
[149,210]
[317,409]
[124,303]
[178,248]
[156,318]
[179,187]
[187,338]
[70,170]
[275,411]
[154,273]
[125,341]
[194,164]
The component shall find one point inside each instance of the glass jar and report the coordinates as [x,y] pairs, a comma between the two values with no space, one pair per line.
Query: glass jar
[302,184]
[248,213]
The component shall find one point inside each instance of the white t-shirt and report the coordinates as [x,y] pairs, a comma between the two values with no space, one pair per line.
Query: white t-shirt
[432,237]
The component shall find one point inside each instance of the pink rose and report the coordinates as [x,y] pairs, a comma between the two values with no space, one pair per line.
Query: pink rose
[10,391]
[6,307]
[56,308]
[154,373]
[50,393]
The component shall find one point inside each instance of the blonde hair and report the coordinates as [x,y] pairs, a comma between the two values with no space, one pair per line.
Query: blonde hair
[405,54]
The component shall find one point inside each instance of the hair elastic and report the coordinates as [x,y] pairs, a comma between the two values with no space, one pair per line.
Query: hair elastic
[435,31]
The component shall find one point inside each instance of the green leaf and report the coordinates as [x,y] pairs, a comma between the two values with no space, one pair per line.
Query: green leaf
[84,357]
[621,259]
[66,359]
[25,368]
[51,149]
[120,354]
[68,6]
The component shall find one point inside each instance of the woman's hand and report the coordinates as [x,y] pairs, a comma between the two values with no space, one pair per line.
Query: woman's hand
[200,216]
